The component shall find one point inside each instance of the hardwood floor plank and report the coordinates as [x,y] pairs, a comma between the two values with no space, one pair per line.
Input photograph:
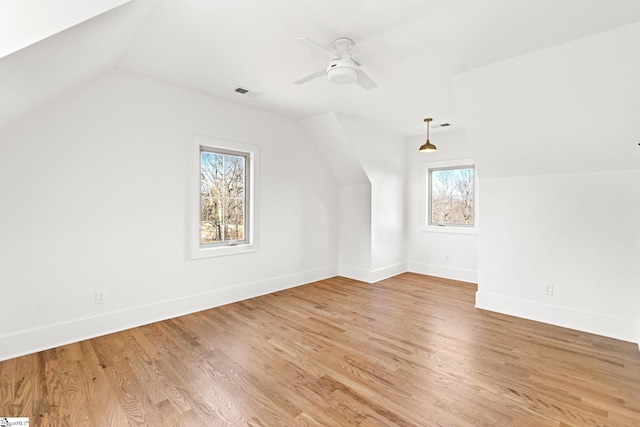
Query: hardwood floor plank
[75,397]
[57,402]
[410,350]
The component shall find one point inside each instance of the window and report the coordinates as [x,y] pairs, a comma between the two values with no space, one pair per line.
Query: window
[224,198]
[451,196]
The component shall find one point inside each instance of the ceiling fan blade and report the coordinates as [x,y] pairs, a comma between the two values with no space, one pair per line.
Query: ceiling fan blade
[365,82]
[394,51]
[310,77]
[316,48]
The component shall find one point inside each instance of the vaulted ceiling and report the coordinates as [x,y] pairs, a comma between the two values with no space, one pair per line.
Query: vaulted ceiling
[213,46]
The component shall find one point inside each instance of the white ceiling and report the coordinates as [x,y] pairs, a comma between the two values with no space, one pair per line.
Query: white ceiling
[32,76]
[21,26]
[212,46]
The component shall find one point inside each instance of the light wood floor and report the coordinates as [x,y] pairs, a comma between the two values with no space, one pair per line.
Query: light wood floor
[408,351]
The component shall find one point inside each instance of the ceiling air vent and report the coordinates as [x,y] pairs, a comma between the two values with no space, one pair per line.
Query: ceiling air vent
[244,91]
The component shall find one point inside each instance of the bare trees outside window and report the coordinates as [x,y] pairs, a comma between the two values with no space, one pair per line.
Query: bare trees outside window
[223,201]
[451,198]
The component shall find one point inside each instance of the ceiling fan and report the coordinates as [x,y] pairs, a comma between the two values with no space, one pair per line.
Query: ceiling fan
[344,67]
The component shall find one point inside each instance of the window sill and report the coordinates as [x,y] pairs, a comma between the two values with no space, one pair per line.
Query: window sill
[199,253]
[450,229]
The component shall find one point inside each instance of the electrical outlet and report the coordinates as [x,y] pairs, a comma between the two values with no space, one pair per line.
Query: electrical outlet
[101,297]
[548,290]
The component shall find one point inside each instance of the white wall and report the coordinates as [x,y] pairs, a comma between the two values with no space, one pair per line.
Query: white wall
[354,227]
[382,157]
[576,231]
[369,166]
[93,195]
[354,194]
[555,138]
[453,255]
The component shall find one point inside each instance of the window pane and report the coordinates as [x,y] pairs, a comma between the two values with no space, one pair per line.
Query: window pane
[234,176]
[234,219]
[452,196]
[210,223]
[222,197]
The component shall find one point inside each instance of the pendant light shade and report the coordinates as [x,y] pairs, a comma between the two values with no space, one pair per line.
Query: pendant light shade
[428,147]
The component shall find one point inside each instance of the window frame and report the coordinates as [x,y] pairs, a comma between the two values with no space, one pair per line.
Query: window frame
[425,216]
[252,154]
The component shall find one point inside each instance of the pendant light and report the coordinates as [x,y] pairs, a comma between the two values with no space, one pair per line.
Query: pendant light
[428,147]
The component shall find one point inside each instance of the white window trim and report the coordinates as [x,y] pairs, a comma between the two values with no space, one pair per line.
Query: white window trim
[424,202]
[197,250]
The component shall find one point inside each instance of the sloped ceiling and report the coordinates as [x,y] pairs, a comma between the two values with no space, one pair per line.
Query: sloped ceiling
[25,22]
[569,108]
[44,70]
[214,46]
[333,145]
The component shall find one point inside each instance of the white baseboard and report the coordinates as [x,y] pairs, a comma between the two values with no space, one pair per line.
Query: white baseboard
[34,340]
[355,273]
[443,271]
[622,329]
[386,272]
[372,276]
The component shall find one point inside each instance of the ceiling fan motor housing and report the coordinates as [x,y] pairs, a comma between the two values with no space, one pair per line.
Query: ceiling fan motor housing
[342,72]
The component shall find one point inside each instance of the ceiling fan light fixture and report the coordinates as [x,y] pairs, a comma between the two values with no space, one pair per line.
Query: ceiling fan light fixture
[344,67]
[342,73]
[427,147]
